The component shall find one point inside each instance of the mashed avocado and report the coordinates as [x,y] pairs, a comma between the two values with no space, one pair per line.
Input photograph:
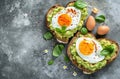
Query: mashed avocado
[68,33]
[87,65]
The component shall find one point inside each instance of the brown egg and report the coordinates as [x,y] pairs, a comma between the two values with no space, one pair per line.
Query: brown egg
[102,30]
[90,24]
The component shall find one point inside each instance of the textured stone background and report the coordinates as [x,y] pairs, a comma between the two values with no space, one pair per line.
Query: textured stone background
[22,25]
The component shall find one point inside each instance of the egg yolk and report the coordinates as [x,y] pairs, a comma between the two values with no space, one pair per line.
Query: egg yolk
[86,47]
[64,20]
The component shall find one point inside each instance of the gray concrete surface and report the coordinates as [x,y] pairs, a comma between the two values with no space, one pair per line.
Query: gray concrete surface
[22,25]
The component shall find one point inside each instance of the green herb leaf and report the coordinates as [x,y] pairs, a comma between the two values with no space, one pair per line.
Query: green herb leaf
[57,51]
[47,36]
[110,48]
[84,31]
[62,30]
[64,27]
[100,18]
[107,50]
[80,4]
[58,30]
[50,62]
[66,58]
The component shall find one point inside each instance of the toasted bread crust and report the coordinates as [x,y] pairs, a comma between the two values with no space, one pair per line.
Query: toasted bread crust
[86,71]
[70,3]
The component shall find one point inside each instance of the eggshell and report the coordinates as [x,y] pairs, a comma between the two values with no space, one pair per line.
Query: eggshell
[90,24]
[102,30]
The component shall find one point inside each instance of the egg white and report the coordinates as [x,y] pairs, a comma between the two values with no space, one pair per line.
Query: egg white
[95,56]
[75,18]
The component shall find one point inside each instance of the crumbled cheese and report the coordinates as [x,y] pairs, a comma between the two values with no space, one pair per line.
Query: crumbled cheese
[74,73]
[64,67]
[95,10]
[45,51]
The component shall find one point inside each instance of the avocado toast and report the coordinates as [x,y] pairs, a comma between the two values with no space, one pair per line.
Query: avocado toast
[85,66]
[61,34]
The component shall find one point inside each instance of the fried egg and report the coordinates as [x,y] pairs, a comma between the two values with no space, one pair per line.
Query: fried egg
[69,17]
[89,49]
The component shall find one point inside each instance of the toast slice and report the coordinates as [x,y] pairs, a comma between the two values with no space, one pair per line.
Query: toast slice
[103,63]
[52,11]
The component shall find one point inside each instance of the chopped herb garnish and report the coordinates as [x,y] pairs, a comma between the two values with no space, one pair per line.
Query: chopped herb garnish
[50,62]
[107,50]
[100,18]
[61,30]
[80,4]
[66,58]
[47,36]
[57,51]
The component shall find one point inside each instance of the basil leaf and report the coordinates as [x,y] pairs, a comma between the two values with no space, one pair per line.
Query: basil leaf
[110,48]
[58,30]
[66,58]
[64,27]
[100,18]
[84,31]
[50,62]
[105,52]
[57,51]
[47,36]
[62,30]
[80,4]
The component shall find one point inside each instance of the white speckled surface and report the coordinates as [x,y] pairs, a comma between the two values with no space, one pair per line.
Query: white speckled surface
[22,25]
